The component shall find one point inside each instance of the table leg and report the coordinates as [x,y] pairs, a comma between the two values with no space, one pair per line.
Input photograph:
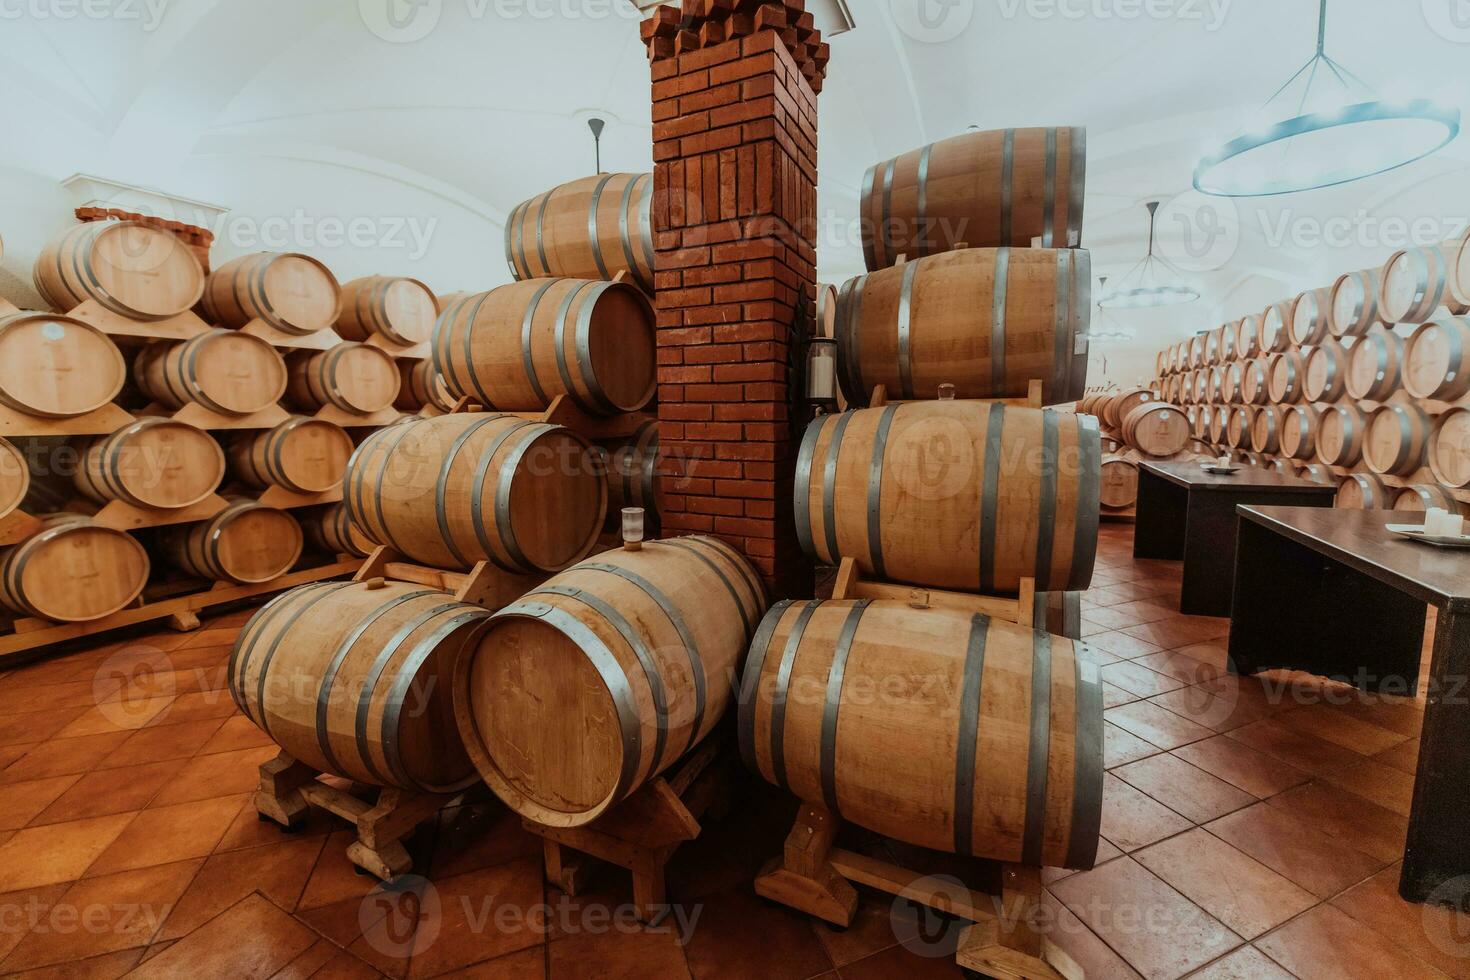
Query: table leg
[1210,545]
[1437,851]
[1158,527]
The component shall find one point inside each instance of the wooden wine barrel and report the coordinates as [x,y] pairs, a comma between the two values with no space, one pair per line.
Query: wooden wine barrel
[154,462]
[1215,385]
[1286,376]
[1317,473]
[1299,425]
[330,530]
[1239,425]
[1197,345]
[57,367]
[127,267]
[1201,427]
[1353,303]
[245,543]
[72,571]
[356,378]
[291,292]
[420,387]
[1340,434]
[590,228]
[1449,448]
[302,455]
[631,465]
[988,189]
[1275,327]
[353,678]
[825,312]
[1227,343]
[1174,389]
[1220,424]
[1232,383]
[1118,481]
[1327,369]
[1309,317]
[453,490]
[1415,283]
[400,310]
[15,477]
[1254,382]
[1171,356]
[1157,429]
[601,678]
[1265,435]
[1374,365]
[1248,337]
[1002,759]
[1123,403]
[1363,491]
[869,486]
[1437,360]
[1396,440]
[517,347]
[1419,497]
[225,371]
[986,320]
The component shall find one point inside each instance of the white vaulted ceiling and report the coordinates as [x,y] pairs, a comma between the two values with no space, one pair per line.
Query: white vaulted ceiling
[295,110]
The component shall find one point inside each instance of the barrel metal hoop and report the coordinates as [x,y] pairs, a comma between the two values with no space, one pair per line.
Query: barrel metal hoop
[829,489]
[270,653]
[1064,313]
[502,496]
[477,496]
[865,225]
[919,241]
[1007,165]
[875,490]
[747,574]
[778,696]
[560,340]
[645,224]
[515,273]
[441,514]
[583,341]
[1406,436]
[719,573]
[474,387]
[540,233]
[1049,193]
[836,676]
[998,322]
[380,309]
[236,665]
[626,242]
[887,232]
[592,225]
[1077,177]
[382,521]
[967,750]
[802,486]
[1039,757]
[904,324]
[990,495]
[527,361]
[1089,496]
[750,679]
[188,375]
[1087,762]
[1047,505]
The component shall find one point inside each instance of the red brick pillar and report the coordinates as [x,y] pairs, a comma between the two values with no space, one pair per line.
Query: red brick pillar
[734,217]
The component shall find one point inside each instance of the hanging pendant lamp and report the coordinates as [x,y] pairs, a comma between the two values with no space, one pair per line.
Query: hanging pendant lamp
[1325,126]
[1104,328]
[1154,281]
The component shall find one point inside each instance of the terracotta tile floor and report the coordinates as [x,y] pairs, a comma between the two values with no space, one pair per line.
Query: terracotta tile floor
[1252,829]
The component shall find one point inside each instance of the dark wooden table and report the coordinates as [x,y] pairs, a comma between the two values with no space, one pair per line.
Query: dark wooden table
[1184,513]
[1332,593]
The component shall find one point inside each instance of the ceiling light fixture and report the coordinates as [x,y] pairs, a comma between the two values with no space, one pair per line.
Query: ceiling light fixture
[1334,134]
[1154,281]
[1104,328]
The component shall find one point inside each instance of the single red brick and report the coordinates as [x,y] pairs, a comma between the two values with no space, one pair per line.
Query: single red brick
[760,509]
[713,314]
[684,125]
[673,355]
[674,374]
[733,71]
[758,451]
[689,522]
[713,393]
[713,431]
[682,258]
[743,251]
[717,505]
[671,430]
[765,391]
[684,335]
[762,551]
[768,431]
[672,279]
[713,274]
[686,413]
[713,354]
[747,489]
[745,291]
[699,296]
[713,98]
[717,469]
[715,139]
[745,331]
[759,412]
[670,318]
[750,372]
[745,526]
[714,233]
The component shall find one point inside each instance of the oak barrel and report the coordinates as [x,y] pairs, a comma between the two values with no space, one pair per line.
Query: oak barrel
[357,378]
[154,462]
[400,310]
[1118,481]
[598,680]
[129,268]
[1265,435]
[53,366]
[1220,424]
[72,571]
[1232,381]
[1299,425]
[422,387]
[453,490]
[1309,316]
[1202,417]
[1449,448]
[1212,347]
[1340,434]
[291,292]
[1396,439]
[1248,337]
[589,228]
[1415,283]
[1254,382]
[1363,491]
[15,477]
[1157,429]
[1327,368]
[1122,403]
[517,347]
[998,755]
[1352,308]
[302,455]
[330,530]
[1437,360]
[631,465]
[245,543]
[354,679]
[1374,365]
[1275,327]
[900,489]
[1286,376]
[1238,426]
[1419,497]
[225,371]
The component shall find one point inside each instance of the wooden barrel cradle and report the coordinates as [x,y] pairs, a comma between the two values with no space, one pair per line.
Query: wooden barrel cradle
[1220,423]
[1265,435]
[126,267]
[15,477]
[225,371]
[900,489]
[72,571]
[402,311]
[1437,360]
[453,490]
[1415,283]
[1239,425]
[1299,425]
[997,188]
[631,465]
[1286,376]
[1327,369]
[1309,317]
[1157,429]
[1275,327]
[154,462]
[354,679]
[590,228]
[422,387]
[1000,757]
[356,378]
[245,543]
[1123,404]
[987,320]
[1340,434]
[517,347]
[1419,497]
[1118,481]
[1449,448]
[56,367]
[1058,613]
[598,680]
[1352,308]
[1254,389]
[330,530]
[293,293]
[1374,365]
[1248,337]
[1363,491]
[1397,438]
[302,455]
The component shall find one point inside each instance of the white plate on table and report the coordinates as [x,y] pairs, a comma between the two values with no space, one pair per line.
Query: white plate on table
[1415,532]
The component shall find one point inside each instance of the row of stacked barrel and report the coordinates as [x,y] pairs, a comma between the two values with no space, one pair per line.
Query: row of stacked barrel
[1137,424]
[1363,383]
[159,416]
